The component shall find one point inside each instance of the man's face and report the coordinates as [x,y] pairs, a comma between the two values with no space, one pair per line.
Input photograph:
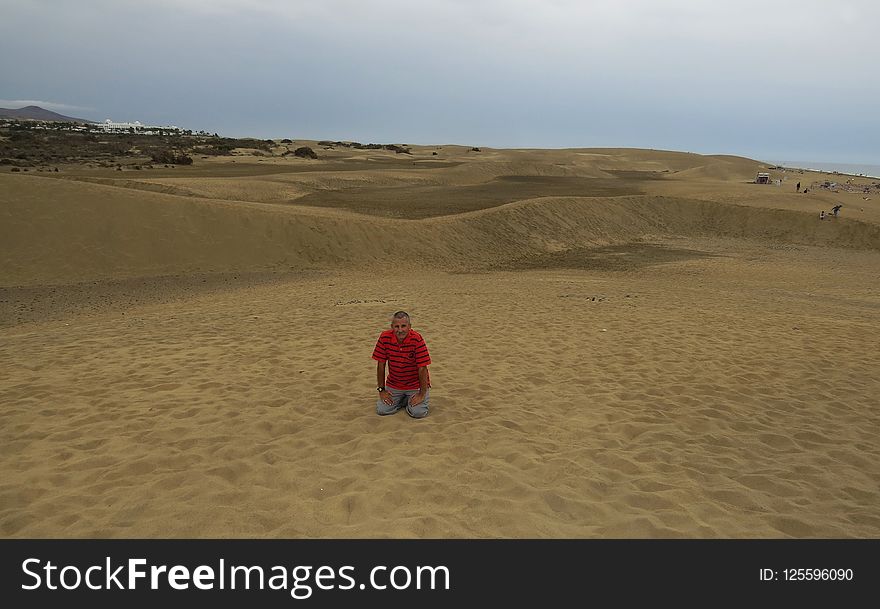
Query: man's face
[400,327]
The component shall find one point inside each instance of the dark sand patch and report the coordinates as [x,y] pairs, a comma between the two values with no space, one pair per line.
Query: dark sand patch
[626,257]
[245,168]
[27,304]
[417,202]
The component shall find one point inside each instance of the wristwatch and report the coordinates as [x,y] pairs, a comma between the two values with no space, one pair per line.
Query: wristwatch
[380,389]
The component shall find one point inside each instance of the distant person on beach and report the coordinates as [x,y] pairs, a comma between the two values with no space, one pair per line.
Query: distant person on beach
[798,186]
[408,384]
[836,210]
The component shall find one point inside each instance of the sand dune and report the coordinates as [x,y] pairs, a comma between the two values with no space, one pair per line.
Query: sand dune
[63,232]
[666,351]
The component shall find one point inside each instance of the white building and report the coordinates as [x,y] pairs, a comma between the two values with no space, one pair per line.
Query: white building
[109,126]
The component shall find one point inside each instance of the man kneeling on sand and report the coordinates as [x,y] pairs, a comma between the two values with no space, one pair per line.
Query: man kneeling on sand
[408,384]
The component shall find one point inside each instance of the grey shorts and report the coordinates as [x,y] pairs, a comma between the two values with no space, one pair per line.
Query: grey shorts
[400,399]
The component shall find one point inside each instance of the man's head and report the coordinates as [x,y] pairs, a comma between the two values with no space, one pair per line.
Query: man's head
[400,324]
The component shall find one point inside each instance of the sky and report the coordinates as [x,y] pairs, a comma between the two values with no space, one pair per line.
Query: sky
[773,80]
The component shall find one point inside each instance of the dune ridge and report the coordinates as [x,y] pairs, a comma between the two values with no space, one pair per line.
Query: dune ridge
[111,232]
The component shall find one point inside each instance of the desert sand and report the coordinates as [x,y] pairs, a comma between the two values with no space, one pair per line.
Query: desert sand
[625,343]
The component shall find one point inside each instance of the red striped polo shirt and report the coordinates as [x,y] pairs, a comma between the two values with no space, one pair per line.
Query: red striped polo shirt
[404,359]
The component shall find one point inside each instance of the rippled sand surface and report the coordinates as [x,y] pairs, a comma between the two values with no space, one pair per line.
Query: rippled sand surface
[664,364]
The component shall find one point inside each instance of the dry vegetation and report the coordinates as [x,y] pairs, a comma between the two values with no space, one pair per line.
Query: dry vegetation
[24,146]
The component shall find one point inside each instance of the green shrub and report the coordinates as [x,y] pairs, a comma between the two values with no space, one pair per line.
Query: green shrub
[171,157]
[305,152]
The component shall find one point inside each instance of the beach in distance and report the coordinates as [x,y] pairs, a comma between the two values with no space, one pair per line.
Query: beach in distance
[625,343]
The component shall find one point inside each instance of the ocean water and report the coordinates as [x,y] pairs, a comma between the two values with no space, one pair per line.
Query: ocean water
[848,168]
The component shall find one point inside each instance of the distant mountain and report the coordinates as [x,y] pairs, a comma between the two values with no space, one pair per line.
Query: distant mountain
[35,113]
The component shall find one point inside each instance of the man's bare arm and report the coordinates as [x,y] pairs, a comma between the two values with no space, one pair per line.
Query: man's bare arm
[423,387]
[380,374]
[423,381]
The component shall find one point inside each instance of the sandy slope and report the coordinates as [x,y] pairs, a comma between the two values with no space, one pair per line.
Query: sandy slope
[696,358]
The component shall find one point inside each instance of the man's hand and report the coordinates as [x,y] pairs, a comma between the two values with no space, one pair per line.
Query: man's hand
[416,399]
[385,396]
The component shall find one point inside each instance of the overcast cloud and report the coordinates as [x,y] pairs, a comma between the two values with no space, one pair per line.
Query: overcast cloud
[774,80]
